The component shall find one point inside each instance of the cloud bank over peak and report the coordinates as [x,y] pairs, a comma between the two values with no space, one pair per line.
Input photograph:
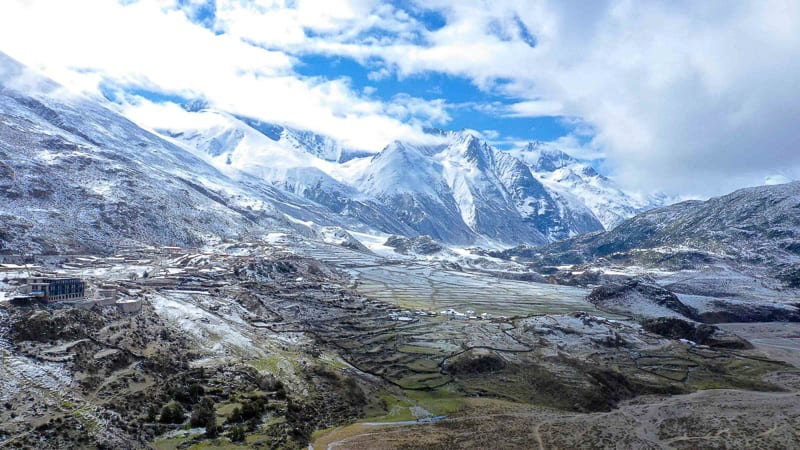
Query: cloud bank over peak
[694,98]
[155,47]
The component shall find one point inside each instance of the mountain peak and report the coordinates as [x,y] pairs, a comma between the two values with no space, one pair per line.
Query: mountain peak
[544,158]
[195,105]
[534,146]
[434,131]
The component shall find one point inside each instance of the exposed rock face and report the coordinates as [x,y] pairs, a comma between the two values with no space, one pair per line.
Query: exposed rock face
[420,245]
[739,313]
[646,299]
[702,334]
[637,297]
[339,236]
[756,225]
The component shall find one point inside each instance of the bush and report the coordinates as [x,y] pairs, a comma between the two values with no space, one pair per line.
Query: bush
[475,363]
[189,394]
[152,413]
[254,408]
[172,412]
[251,409]
[205,416]
[237,434]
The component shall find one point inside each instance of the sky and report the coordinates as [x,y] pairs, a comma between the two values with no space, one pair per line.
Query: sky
[685,97]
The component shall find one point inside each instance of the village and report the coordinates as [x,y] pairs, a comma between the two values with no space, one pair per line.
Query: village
[97,342]
[122,280]
[127,278]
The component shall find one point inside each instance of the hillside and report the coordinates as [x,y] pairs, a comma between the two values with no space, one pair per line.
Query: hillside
[77,177]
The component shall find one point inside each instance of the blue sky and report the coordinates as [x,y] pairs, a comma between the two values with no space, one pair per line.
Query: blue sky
[469,106]
[654,91]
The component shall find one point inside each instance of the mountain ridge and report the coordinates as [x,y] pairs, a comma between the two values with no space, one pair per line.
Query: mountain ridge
[80,177]
[461,190]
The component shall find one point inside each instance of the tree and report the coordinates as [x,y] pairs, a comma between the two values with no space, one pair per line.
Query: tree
[205,416]
[237,434]
[236,415]
[172,412]
[152,413]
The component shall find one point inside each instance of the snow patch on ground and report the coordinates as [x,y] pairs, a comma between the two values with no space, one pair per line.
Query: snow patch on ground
[212,332]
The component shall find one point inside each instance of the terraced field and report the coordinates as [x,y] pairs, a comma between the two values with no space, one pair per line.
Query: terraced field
[435,286]
[430,288]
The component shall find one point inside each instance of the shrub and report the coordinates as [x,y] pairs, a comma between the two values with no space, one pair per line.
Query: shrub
[237,434]
[172,412]
[205,416]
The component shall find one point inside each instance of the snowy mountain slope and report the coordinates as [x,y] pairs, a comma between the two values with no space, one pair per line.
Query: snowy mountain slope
[479,189]
[461,191]
[567,176]
[757,227]
[298,162]
[229,143]
[485,203]
[410,183]
[75,176]
[555,214]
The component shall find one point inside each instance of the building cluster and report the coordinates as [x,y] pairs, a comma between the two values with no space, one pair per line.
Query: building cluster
[450,313]
[54,289]
[71,292]
[466,315]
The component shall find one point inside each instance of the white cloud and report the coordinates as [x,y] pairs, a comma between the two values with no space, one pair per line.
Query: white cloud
[697,96]
[154,116]
[535,108]
[152,44]
[284,23]
[490,134]
[572,145]
[690,97]
[776,179]
[404,107]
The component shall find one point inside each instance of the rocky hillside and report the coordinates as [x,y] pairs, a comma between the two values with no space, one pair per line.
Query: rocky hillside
[759,225]
[733,258]
[77,177]
[579,182]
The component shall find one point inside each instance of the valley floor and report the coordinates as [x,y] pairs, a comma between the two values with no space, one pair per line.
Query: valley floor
[287,344]
[730,419]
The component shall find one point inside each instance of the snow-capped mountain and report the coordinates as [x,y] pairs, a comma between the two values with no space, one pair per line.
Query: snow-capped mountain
[460,190]
[300,162]
[75,176]
[411,184]
[465,187]
[579,183]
